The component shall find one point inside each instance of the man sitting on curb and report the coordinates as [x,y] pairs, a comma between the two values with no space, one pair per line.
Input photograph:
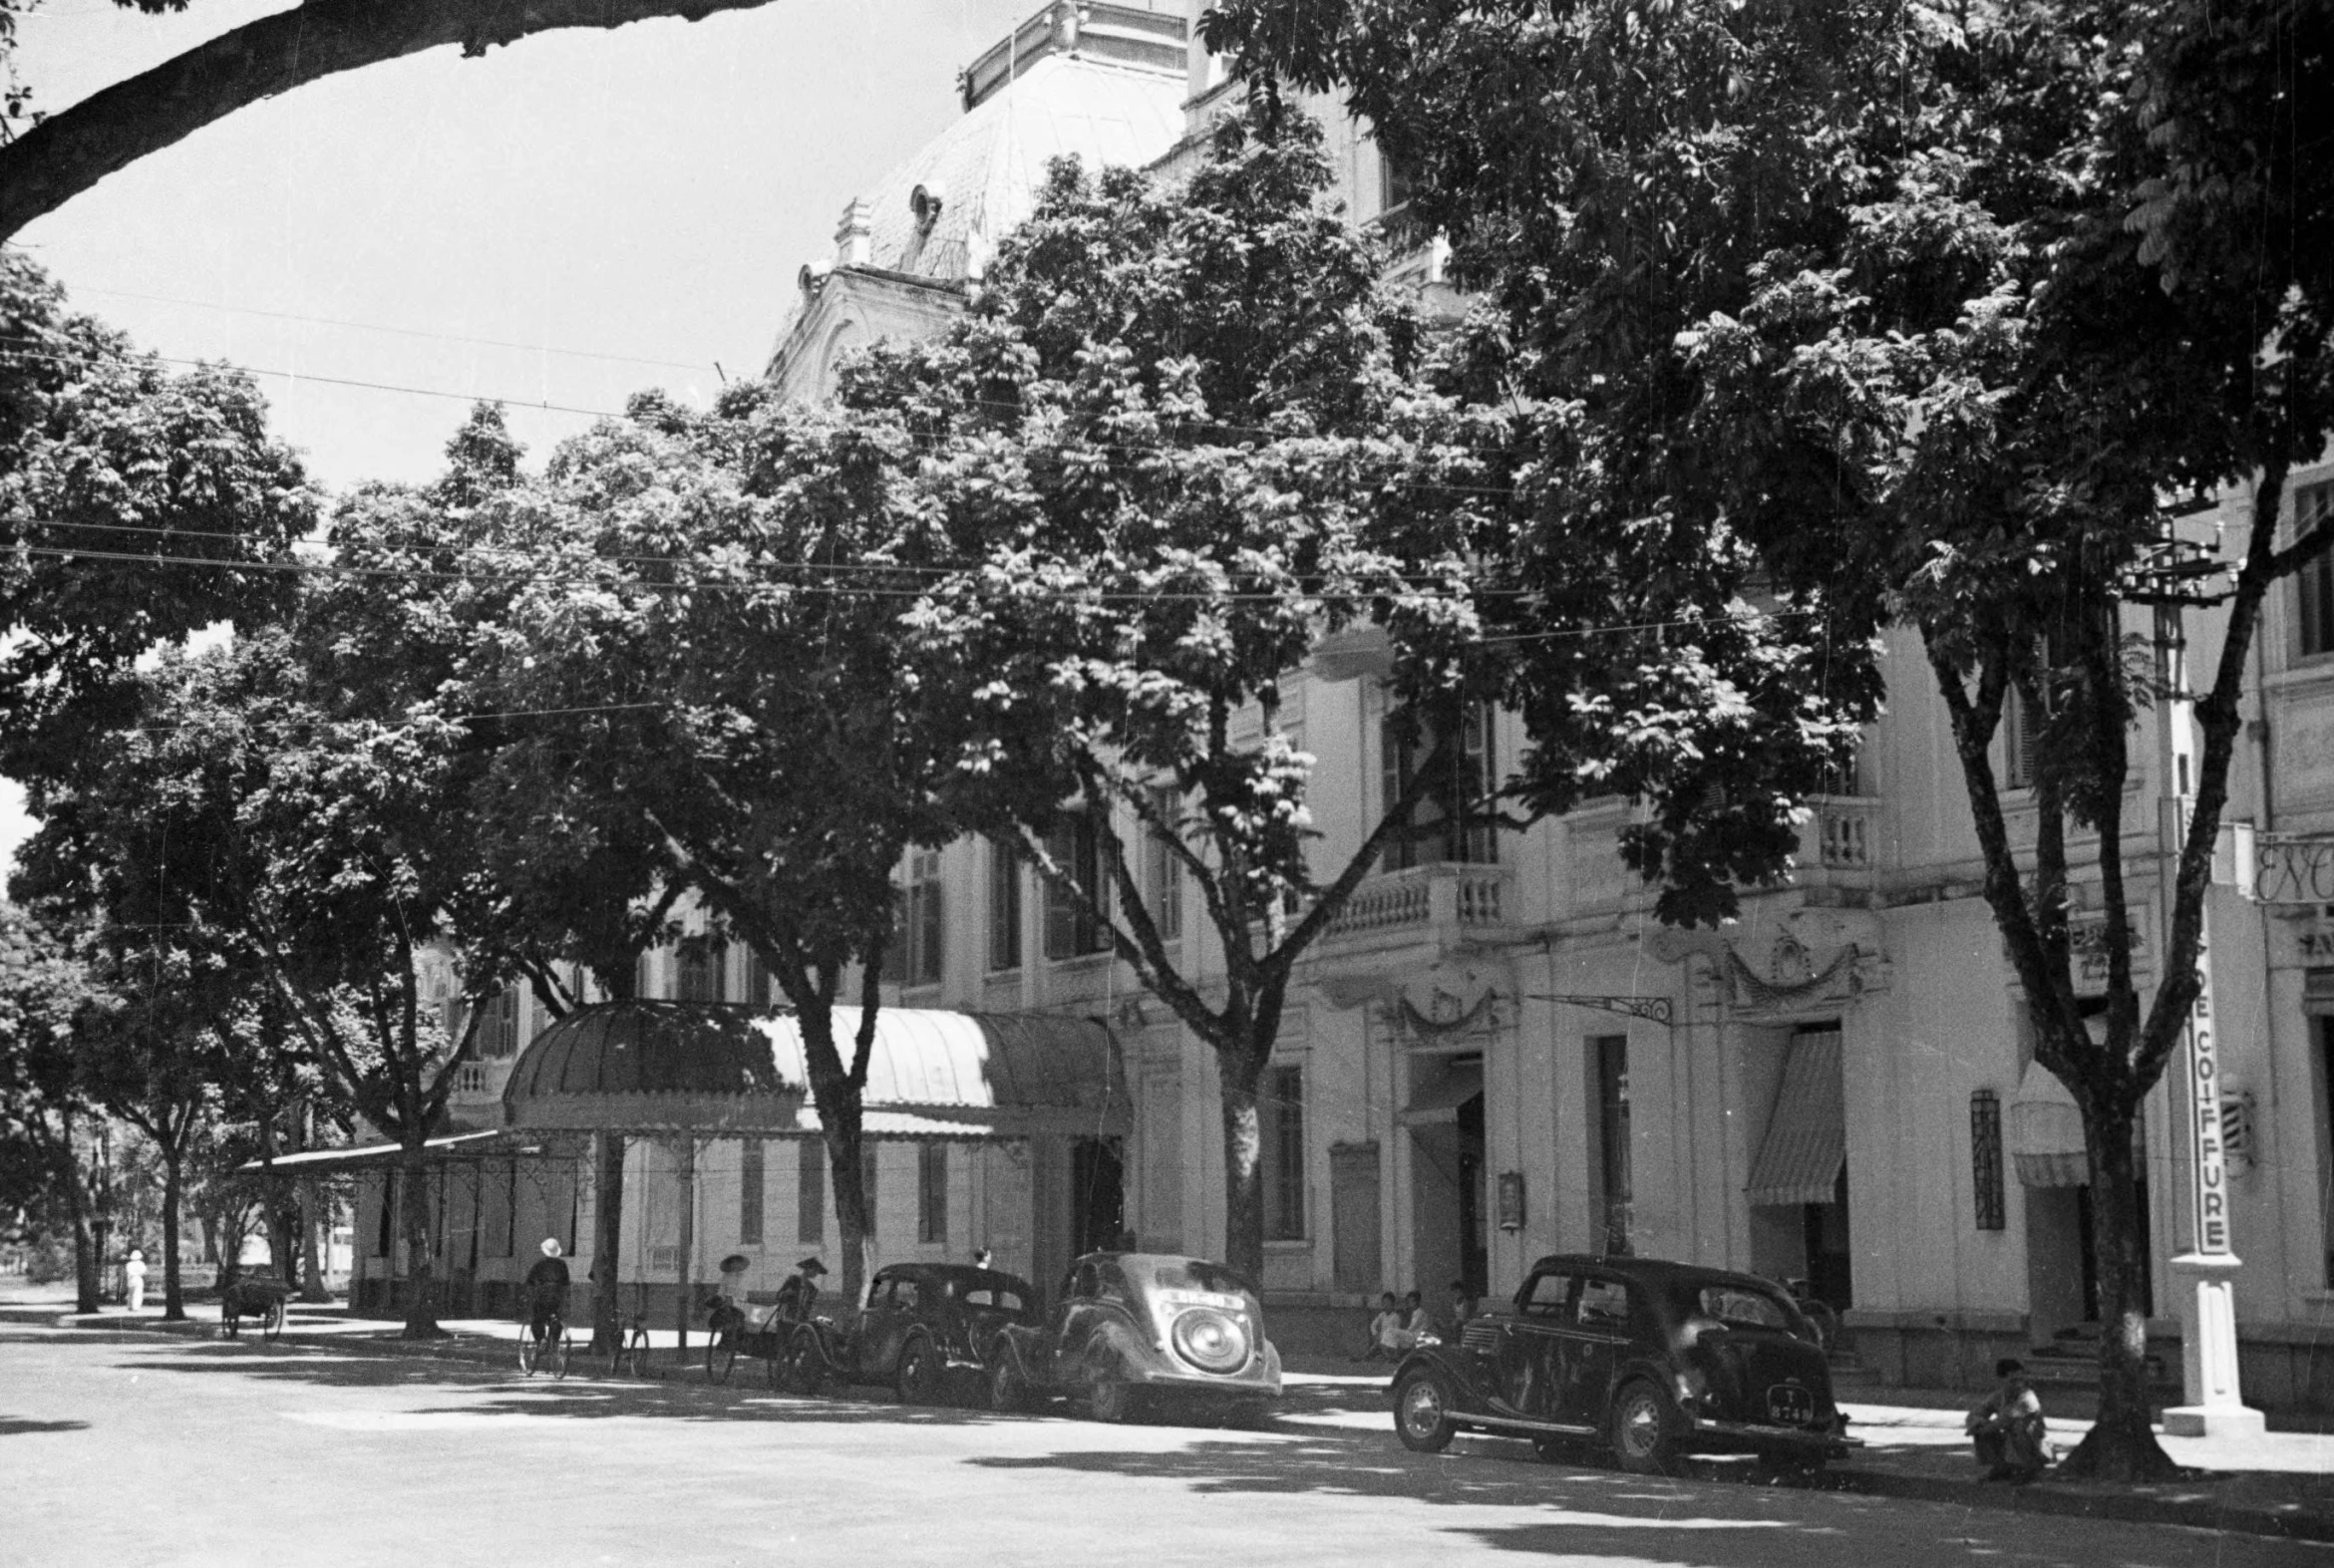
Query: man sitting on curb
[1385,1332]
[2007,1428]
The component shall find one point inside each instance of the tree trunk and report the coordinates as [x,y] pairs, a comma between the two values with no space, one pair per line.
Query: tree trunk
[607,1223]
[2121,1446]
[413,1197]
[1243,1165]
[85,1252]
[174,1193]
[311,1266]
[856,1238]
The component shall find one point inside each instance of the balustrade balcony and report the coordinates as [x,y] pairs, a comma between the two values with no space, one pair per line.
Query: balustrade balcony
[1444,906]
[1846,830]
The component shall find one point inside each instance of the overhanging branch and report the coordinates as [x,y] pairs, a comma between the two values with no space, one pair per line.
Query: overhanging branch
[75,147]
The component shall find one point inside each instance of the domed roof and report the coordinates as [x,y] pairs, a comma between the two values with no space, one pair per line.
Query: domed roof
[985,169]
[667,1062]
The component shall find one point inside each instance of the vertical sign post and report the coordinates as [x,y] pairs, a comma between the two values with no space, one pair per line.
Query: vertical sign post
[2215,1405]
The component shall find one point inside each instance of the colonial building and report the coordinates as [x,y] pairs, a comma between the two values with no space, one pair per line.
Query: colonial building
[1495,1051]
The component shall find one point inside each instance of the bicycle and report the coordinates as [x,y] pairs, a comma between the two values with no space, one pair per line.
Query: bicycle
[549,1348]
[630,1356]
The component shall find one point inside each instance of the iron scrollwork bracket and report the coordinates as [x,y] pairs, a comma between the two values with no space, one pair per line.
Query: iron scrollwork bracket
[1655,1009]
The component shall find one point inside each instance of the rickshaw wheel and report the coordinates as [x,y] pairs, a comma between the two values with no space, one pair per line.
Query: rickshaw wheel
[806,1362]
[560,1348]
[721,1355]
[272,1323]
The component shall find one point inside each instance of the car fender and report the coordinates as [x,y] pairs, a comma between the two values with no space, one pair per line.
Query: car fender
[1654,1371]
[1024,1348]
[1113,1349]
[1440,1359]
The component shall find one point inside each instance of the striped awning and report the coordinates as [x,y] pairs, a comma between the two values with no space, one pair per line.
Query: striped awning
[1807,1137]
[2046,1145]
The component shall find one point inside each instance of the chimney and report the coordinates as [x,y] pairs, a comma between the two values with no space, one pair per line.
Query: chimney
[855,237]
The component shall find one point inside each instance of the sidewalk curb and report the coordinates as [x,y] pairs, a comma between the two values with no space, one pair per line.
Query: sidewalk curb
[2295,1523]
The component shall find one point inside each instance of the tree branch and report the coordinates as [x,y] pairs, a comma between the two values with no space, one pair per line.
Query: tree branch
[75,147]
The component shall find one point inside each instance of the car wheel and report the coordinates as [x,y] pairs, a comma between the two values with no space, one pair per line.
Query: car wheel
[917,1378]
[1008,1390]
[1111,1401]
[1640,1433]
[1422,1412]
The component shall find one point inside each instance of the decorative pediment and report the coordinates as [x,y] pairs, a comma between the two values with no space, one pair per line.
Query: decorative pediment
[1813,957]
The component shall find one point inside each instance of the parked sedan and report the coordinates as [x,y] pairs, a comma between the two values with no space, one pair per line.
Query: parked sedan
[1133,1330]
[923,1322]
[1642,1356]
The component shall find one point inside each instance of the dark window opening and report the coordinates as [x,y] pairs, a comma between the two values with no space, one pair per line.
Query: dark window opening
[1004,907]
[1453,821]
[1071,929]
[1281,1115]
[750,1174]
[1609,1066]
[701,962]
[932,1191]
[2313,585]
[1985,1161]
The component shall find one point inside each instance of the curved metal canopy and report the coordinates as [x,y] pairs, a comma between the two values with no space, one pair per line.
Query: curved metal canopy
[716,1067]
[653,1066]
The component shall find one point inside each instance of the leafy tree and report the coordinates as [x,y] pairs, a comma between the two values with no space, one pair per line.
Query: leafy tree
[154,1046]
[715,614]
[61,154]
[1161,436]
[136,505]
[1928,310]
[46,1113]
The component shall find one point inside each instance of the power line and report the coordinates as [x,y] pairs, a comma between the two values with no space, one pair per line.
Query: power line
[402,331]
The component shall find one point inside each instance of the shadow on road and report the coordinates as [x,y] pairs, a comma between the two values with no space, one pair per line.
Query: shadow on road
[18,1426]
[1580,1513]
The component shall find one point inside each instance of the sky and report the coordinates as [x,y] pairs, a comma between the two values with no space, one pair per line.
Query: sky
[566,220]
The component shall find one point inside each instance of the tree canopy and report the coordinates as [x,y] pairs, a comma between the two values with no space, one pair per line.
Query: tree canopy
[1927,316]
[137,505]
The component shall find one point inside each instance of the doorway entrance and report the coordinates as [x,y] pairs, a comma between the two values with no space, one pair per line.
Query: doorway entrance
[1450,1219]
[1097,1195]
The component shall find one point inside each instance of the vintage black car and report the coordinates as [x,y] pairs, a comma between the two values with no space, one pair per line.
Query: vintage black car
[922,1325]
[1644,1357]
[1136,1331]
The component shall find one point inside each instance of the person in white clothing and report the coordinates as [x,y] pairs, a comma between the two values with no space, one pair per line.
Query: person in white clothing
[133,1279]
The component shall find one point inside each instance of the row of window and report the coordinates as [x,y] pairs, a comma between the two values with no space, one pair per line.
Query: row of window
[811,1193]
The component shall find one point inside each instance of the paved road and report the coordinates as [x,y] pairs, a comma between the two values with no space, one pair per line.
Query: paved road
[134,1448]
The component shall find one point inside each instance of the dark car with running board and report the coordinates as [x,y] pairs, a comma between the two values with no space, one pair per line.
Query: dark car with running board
[1646,1358]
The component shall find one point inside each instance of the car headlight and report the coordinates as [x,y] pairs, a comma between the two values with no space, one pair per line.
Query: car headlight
[1210,1338]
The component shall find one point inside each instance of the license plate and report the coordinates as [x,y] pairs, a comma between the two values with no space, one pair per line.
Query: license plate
[1790,1405]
